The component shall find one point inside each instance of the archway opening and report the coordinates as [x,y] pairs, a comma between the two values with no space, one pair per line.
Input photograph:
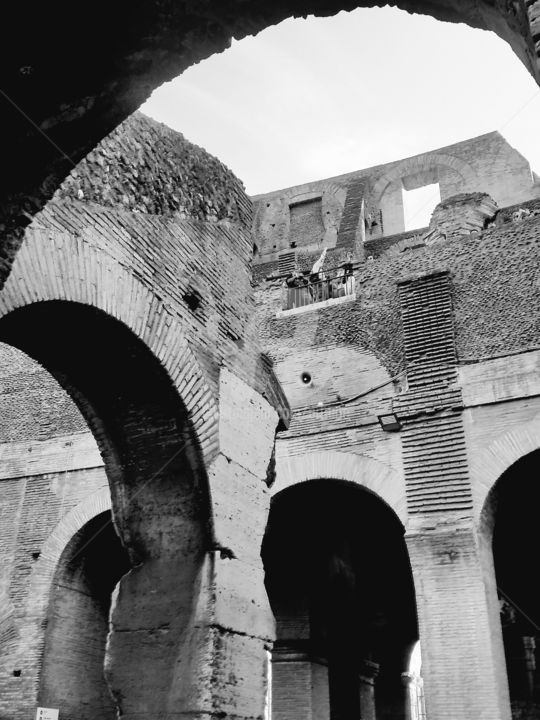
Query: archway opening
[159,498]
[50,470]
[136,415]
[513,507]
[340,586]
[77,623]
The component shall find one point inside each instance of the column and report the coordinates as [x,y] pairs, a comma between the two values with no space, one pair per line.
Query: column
[368,672]
[463,663]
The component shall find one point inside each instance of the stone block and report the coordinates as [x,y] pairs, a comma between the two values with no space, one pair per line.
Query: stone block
[240,506]
[246,424]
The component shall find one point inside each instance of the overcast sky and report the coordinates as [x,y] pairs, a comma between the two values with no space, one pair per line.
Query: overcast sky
[313,98]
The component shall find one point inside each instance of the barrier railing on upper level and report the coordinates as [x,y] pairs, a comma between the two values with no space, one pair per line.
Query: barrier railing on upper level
[308,288]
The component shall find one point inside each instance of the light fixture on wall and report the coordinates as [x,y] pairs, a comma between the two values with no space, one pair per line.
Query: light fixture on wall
[389,422]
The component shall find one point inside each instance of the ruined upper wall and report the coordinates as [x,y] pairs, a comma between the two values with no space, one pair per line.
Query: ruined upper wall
[146,167]
[348,347]
[77,80]
[366,204]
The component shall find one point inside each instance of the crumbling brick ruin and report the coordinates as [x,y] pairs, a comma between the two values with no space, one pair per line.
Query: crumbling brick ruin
[234,483]
[241,477]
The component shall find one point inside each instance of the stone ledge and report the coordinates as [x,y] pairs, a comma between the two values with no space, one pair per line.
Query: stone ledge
[316,306]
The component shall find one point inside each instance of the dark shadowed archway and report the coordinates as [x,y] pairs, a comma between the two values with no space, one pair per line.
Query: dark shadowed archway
[156,477]
[340,585]
[512,512]
[72,676]
[135,413]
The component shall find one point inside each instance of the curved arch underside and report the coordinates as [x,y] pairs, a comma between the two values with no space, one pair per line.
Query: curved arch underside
[137,418]
[78,79]
[157,485]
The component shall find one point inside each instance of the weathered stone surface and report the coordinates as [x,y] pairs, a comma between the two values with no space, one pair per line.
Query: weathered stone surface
[234,491]
[460,215]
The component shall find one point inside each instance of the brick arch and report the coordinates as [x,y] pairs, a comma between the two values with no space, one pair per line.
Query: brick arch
[488,465]
[120,352]
[79,600]
[372,475]
[51,266]
[161,44]
[69,525]
[27,651]
[417,164]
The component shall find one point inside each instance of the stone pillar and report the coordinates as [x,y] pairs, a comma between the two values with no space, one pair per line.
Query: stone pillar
[299,686]
[368,672]
[190,627]
[463,663]
[407,680]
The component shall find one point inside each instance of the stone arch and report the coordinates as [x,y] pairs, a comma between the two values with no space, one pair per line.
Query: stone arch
[327,509]
[71,672]
[161,45]
[372,475]
[103,340]
[488,465]
[41,577]
[31,634]
[50,266]
[419,164]
[93,505]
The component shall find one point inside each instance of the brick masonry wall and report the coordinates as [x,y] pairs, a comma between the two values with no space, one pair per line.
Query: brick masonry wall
[32,403]
[495,294]
[167,280]
[201,269]
[32,507]
[483,164]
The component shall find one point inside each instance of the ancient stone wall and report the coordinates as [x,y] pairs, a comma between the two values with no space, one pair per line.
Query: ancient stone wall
[148,321]
[483,164]
[457,305]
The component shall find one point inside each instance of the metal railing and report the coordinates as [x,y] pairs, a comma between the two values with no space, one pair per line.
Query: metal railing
[307,288]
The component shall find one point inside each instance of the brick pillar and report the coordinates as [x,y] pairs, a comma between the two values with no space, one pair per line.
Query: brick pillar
[463,663]
[368,673]
[299,687]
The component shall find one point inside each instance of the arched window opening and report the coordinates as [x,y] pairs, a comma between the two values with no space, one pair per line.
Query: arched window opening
[514,504]
[340,586]
[77,623]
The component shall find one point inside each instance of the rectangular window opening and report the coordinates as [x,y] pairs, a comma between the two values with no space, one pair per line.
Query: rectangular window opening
[419,204]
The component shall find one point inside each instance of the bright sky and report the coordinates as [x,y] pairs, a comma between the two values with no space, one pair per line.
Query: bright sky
[309,99]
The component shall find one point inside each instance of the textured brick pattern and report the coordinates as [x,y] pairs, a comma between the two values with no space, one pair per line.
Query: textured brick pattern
[428,331]
[155,406]
[352,216]
[306,223]
[32,403]
[433,438]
